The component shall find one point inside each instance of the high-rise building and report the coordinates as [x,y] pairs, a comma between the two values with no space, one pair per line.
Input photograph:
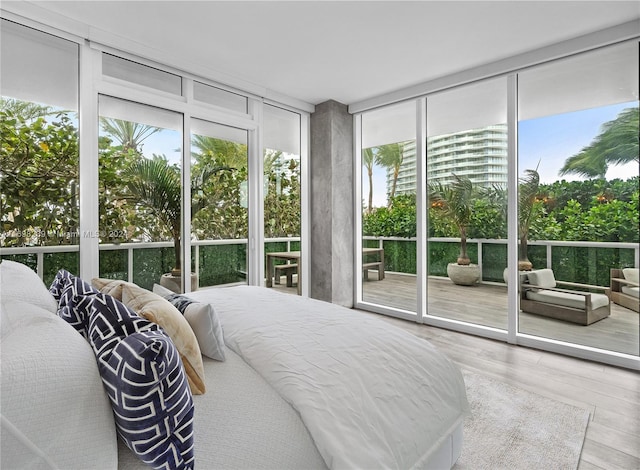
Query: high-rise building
[478,154]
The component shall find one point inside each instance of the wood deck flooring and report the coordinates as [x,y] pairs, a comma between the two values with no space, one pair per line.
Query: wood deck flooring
[612,395]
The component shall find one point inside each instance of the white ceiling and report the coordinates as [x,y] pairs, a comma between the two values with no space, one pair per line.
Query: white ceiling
[342,50]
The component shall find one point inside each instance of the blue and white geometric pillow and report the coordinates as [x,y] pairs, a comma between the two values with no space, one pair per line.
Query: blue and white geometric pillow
[146,383]
[73,296]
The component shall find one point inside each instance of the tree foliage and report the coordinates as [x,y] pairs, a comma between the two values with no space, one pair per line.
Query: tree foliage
[616,144]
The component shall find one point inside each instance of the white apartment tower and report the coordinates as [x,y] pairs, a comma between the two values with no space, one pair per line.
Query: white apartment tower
[479,154]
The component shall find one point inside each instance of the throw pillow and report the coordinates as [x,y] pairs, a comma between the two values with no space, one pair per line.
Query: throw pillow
[143,375]
[112,287]
[73,295]
[631,274]
[20,282]
[54,409]
[203,320]
[542,278]
[158,310]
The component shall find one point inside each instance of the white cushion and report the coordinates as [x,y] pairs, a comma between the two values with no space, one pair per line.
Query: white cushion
[542,278]
[19,282]
[631,274]
[54,409]
[203,320]
[566,299]
[633,291]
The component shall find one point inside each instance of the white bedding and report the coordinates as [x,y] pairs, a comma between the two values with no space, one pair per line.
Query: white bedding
[370,394]
[242,423]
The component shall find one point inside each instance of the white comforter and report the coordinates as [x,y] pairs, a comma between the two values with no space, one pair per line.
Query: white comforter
[370,394]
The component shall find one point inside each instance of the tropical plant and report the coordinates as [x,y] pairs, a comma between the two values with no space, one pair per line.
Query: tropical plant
[155,184]
[129,134]
[368,161]
[391,156]
[38,174]
[616,144]
[528,208]
[455,202]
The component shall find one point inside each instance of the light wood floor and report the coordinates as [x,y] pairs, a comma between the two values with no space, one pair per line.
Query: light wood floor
[612,395]
[486,305]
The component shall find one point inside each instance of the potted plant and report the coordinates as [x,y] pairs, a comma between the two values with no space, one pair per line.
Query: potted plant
[156,185]
[455,201]
[527,196]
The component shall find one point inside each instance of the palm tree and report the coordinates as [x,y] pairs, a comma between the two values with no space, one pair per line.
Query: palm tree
[225,152]
[456,200]
[528,189]
[616,144]
[129,134]
[368,161]
[155,184]
[391,156]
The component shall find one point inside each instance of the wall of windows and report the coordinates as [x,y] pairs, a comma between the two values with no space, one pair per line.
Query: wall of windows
[536,169]
[39,160]
[173,177]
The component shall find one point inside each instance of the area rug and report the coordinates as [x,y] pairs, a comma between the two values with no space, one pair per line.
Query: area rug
[511,428]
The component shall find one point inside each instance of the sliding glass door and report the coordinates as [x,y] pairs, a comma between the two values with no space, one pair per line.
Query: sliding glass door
[388,211]
[578,184]
[467,203]
[219,204]
[140,188]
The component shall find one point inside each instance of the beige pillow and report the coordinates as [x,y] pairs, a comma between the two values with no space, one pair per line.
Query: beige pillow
[542,278]
[158,310]
[112,287]
[630,274]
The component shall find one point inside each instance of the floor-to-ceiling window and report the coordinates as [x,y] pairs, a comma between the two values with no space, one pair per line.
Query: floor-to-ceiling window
[578,181]
[219,204]
[536,169]
[282,180]
[466,162]
[139,188]
[39,171]
[388,207]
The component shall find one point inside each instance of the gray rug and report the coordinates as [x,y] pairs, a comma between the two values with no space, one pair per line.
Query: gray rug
[511,428]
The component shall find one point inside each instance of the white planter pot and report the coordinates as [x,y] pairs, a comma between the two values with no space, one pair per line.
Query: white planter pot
[463,275]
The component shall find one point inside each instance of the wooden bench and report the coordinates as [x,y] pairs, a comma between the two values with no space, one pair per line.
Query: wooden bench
[285,269]
[377,265]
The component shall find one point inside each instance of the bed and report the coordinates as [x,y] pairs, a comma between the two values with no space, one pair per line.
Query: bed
[305,384]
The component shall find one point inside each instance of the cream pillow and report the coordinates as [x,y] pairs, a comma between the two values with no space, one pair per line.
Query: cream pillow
[158,310]
[631,274]
[112,287]
[543,278]
[19,282]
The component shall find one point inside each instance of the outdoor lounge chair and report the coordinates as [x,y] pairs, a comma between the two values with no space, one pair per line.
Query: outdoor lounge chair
[624,288]
[540,294]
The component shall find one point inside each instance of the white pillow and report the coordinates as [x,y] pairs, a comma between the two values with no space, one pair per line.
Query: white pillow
[19,282]
[631,274]
[543,278]
[203,320]
[54,409]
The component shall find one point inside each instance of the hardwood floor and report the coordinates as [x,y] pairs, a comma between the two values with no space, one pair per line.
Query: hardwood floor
[486,304]
[612,395]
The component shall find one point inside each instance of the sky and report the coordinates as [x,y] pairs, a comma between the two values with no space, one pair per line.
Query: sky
[546,143]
